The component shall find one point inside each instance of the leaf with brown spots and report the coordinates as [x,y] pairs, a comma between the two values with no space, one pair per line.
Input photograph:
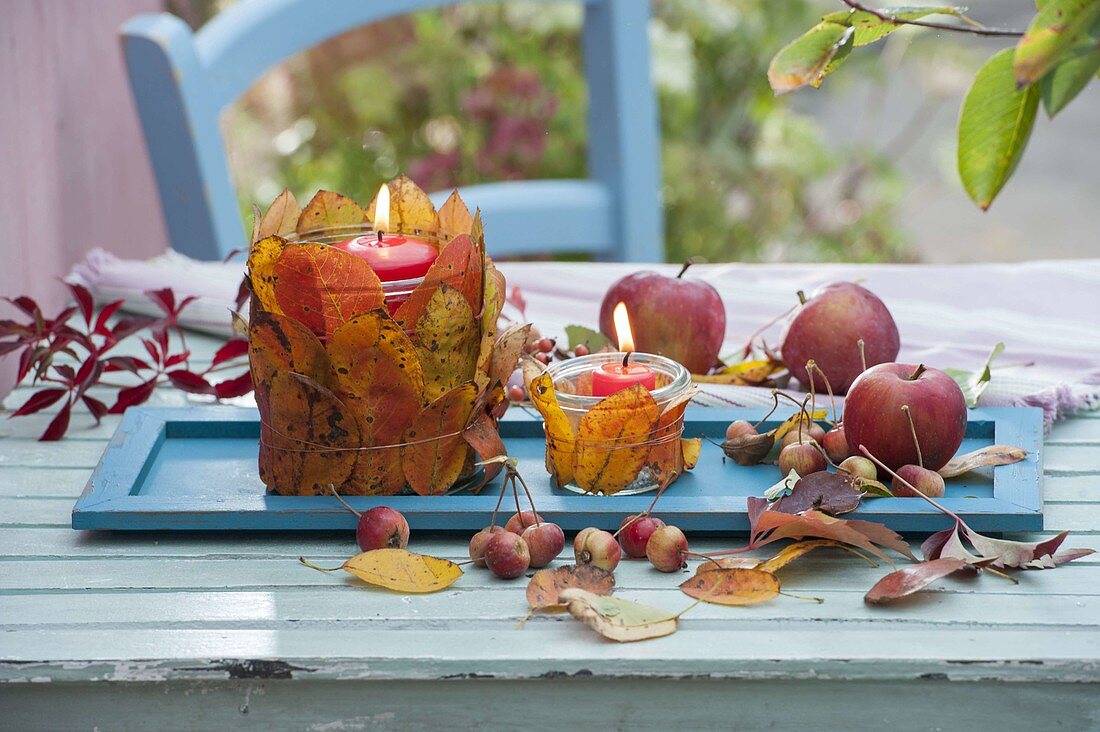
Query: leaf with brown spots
[403,571]
[666,455]
[308,440]
[732,586]
[767,526]
[454,218]
[560,440]
[411,211]
[377,369]
[905,582]
[483,435]
[506,352]
[728,563]
[617,619]
[492,304]
[446,342]
[435,452]
[282,215]
[457,267]
[278,343]
[323,287]
[262,256]
[547,584]
[612,440]
[328,210]
[692,448]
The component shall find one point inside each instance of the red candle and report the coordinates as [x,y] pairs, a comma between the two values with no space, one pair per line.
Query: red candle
[612,377]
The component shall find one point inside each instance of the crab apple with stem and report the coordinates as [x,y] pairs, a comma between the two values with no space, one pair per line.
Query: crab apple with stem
[581,350]
[667,549]
[520,520]
[739,428]
[598,548]
[378,528]
[507,555]
[634,533]
[544,542]
[859,467]
[803,458]
[480,540]
[918,477]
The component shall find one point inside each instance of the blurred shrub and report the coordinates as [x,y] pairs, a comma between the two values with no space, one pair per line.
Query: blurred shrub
[496,92]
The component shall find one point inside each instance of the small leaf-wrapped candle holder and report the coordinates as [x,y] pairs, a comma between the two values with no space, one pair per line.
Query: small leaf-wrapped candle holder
[626,443]
[375,387]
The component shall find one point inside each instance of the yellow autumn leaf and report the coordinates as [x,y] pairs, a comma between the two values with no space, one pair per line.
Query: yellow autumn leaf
[732,586]
[281,217]
[559,432]
[746,373]
[454,218]
[411,211]
[262,256]
[617,619]
[403,571]
[793,551]
[691,448]
[791,423]
[613,440]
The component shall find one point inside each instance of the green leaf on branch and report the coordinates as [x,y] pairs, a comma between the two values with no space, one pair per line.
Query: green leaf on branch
[973,383]
[578,335]
[994,127]
[1060,86]
[805,60]
[870,28]
[1056,29]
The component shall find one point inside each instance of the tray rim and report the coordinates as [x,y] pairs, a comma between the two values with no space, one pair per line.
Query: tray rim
[107,503]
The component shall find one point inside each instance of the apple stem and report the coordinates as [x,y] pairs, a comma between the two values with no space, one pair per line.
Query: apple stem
[527,491]
[775,406]
[913,430]
[909,485]
[801,297]
[811,598]
[630,523]
[340,498]
[688,263]
[862,353]
[920,369]
[500,498]
[828,387]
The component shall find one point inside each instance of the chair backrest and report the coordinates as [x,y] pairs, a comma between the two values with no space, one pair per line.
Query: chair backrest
[182,81]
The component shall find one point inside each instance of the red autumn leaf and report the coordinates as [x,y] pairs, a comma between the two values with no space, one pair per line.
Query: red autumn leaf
[234,348]
[829,493]
[67,373]
[323,287]
[38,401]
[515,299]
[96,407]
[105,314]
[83,300]
[459,266]
[151,349]
[87,370]
[27,305]
[58,425]
[176,359]
[124,363]
[234,387]
[164,298]
[243,292]
[190,382]
[126,327]
[905,582]
[133,395]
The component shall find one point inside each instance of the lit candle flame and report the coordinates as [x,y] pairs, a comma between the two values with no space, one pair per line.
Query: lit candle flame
[382,209]
[622,328]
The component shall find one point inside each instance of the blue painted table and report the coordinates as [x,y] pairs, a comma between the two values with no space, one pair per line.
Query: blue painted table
[194,631]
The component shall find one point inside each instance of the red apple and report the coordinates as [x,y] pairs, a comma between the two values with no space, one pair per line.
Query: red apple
[827,329]
[683,319]
[634,534]
[874,418]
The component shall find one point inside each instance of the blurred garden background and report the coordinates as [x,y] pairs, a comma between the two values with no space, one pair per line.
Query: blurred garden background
[860,170]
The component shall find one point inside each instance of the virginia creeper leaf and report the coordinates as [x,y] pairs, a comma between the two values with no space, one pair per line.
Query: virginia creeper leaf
[904,582]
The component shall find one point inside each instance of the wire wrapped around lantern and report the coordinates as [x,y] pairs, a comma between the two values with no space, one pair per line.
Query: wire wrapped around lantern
[375,388]
[625,443]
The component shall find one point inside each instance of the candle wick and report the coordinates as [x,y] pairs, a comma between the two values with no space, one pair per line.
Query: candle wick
[626,357]
[379,233]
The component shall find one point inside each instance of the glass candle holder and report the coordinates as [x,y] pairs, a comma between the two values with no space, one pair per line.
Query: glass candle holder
[657,452]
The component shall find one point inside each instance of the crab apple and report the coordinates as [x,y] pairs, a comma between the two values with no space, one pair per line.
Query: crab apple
[478,542]
[803,458]
[926,481]
[739,428]
[382,528]
[521,521]
[836,444]
[598,548]
[858,466]
[936,412]
[581,350]
[667,549]
[545,542]
[827,329]
[634,534]
[506,555]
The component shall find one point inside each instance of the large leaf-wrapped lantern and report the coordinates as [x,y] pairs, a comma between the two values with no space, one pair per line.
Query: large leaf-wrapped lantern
[372,391]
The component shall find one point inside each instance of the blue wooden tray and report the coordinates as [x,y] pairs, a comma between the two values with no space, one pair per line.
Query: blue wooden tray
[195,469]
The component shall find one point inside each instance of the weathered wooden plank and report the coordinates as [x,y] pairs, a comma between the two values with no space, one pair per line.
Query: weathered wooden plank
[1071,459]
[43,482]
[29,453]
[1072,489]
[1075,431]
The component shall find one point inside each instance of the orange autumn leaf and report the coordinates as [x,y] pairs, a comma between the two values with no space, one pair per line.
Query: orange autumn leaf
[322,287]
[454,218]
[547,584]
[278,343]
[798,549]
[506,352]
[492,303]
[377,368]
[446,342]
[435,452]
[612,440]
[281,217]
[728,563]
[732,586]
[262,256]
[691,447]
[308,440]
[458,267]
[768,526]
[411,211]
[328,210]
[483,435]
[560,440]
[666,455]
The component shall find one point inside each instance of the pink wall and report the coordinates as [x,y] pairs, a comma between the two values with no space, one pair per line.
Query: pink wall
[73,168]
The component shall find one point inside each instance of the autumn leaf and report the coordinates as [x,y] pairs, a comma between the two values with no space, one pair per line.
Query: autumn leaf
[308,439]
[492,304]
[483,435]
[829,493]
[262,256]
[403,571]
[692,448]
[454,218]
[446,342]
[904,582]
[790,424]
[974,383]
[804,60]
[411,211]
[732,586]
[281,218]
[1053,31]
[666,454]
[458,267]
[612,440]
[985,457]
[278,343]
[767,526]
[617,619]
[560,440]
[434,451]
[746,373]
[579,335]
[798,549]
[712,565]
[323,287]
[506,352]
[328,210]
[545,588]
[749,449]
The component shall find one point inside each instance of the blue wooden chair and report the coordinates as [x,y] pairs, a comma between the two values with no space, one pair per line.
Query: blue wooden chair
[183,80]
